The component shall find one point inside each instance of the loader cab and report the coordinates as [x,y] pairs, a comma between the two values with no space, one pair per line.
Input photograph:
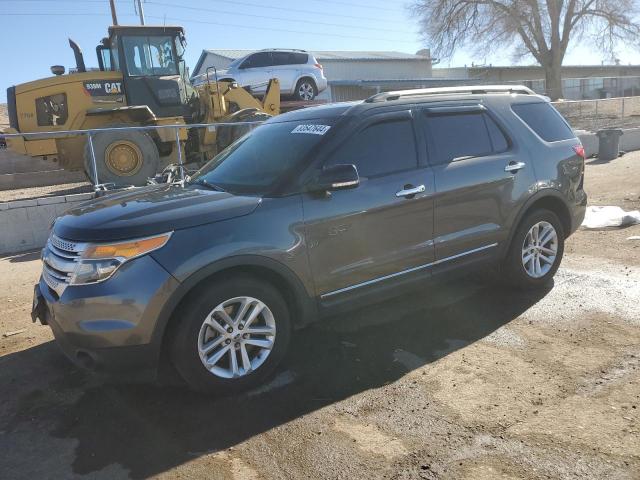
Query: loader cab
[151,61]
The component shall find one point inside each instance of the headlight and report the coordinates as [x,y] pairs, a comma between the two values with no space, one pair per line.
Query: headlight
[100,260]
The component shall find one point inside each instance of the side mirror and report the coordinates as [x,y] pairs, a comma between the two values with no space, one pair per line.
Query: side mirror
[336,177]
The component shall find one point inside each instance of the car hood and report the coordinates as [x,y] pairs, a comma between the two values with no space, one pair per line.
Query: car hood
[148,211]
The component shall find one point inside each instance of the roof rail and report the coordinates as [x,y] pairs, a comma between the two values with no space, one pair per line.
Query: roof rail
[468,89]
[282,50]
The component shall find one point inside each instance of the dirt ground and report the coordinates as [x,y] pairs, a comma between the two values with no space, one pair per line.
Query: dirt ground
[467,381]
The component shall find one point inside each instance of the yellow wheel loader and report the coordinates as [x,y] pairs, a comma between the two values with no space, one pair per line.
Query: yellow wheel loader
[142,81]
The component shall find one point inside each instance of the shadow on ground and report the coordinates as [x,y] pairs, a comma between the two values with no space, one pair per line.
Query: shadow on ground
[25,257]
[148,430]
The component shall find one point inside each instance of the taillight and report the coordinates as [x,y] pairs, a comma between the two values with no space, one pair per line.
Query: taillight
[317,65]
[579,149]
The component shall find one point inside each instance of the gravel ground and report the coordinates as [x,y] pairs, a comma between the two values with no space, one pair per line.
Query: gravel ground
[46,191]
[466,381]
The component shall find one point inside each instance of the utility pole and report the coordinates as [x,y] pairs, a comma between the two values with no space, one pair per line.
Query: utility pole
[114,17]
[140,11]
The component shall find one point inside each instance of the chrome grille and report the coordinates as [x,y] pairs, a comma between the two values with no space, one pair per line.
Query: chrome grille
[59,258]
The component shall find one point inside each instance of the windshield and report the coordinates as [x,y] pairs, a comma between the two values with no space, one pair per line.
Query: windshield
[255,163]
[152,55]
[236,62]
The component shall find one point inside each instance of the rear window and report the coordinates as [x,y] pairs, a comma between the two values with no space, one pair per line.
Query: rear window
[544,120]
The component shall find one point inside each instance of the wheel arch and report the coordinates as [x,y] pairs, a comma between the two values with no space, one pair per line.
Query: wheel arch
[548,199]
[304,76]
[304,309]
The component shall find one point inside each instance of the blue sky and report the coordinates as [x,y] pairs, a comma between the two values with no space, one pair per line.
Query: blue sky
[31,43]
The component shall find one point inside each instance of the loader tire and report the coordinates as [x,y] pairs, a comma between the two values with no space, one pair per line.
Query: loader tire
[123,157]
[227,134]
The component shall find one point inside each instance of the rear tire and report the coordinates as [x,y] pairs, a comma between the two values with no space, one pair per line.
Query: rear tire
[123,157]
[196,332]
[535,252]
[305,90]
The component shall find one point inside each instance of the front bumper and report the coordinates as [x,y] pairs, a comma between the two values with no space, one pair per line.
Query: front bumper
[110,326]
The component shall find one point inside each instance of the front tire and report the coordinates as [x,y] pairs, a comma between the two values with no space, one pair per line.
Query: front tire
[123,157]
[231,336]
[227,134]
[536,250]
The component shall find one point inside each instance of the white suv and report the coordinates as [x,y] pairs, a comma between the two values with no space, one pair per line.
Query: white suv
[298,71]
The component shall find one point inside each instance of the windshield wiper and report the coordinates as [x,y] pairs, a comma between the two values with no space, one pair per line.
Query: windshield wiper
[209,185]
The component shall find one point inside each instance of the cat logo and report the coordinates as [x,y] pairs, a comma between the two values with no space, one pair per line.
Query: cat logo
[99,88]
[112,87]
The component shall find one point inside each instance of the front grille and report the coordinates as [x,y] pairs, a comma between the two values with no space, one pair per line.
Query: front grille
[59,258]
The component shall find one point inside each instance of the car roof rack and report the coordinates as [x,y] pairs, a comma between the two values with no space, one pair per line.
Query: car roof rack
[282,50]
[467,89]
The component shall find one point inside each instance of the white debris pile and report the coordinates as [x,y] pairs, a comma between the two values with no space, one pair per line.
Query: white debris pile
[603,217]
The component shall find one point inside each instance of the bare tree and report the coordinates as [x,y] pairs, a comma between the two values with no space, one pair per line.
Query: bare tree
[537,28]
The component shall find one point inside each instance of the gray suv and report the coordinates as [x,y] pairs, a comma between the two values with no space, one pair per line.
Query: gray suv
[314,211]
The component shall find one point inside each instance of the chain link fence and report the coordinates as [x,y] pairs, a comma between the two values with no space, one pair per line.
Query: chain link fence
[178,169]
[593,115]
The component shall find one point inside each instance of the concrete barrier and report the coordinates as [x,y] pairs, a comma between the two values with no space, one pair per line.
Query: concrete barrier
[629,141]
[24,224]
[15,181]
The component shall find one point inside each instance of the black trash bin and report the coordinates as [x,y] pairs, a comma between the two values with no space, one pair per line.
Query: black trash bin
[609,143]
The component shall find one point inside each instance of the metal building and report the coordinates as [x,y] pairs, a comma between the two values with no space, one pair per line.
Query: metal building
[352,75]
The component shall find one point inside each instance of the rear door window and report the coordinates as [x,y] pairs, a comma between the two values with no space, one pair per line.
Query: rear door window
[545,120]
[380,149]
[458,136]
[282,58]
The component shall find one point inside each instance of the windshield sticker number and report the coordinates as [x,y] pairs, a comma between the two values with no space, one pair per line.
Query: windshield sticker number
[312,129]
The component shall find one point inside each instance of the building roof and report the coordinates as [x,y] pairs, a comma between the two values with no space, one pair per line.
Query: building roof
[332,54]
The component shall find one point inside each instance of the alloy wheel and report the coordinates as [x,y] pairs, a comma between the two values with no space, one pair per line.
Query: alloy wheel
[236,337]
[306,91]
[539,249]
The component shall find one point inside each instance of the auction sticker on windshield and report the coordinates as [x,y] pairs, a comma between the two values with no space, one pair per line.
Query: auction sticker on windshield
[312,129]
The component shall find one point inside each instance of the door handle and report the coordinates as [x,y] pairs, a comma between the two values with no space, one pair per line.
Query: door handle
[408,192]
[513,167]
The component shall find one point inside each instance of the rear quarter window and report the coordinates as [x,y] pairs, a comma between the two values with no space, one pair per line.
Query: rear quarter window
[300,58]
[545,120]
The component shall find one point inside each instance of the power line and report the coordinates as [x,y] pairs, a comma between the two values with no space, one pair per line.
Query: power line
[299,10]
[223,24]
[248,4]
[356,4]
[303,32]
[312,22]
[57,14]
